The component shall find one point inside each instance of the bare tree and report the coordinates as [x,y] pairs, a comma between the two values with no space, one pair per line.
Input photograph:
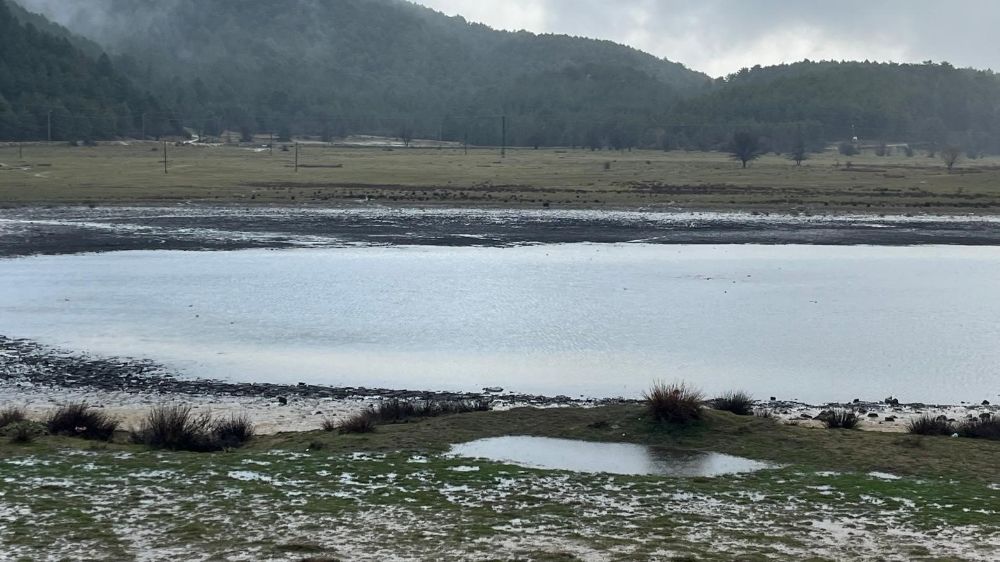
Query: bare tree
[745,147]
[406,135]
[951,155]
[799,152]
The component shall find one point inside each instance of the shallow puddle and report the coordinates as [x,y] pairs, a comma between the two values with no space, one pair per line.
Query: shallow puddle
[613,458]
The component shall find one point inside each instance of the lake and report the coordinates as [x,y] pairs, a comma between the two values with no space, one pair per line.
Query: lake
[814,323]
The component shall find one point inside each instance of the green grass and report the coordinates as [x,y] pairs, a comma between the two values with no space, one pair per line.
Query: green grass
[569,178]
[393,493]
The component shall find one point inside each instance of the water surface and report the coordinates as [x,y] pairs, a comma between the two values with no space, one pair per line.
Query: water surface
[814,323]
[612,458]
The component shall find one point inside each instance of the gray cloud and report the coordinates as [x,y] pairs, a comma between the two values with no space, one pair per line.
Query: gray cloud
[721,36]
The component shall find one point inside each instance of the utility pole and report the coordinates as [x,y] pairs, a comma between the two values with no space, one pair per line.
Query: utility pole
[296,158]
[165,157]
[503,137]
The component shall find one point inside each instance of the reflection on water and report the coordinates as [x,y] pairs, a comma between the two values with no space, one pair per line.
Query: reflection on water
[808,322]
[613,458]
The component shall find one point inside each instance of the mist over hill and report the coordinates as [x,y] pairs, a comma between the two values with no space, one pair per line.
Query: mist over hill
[331,68]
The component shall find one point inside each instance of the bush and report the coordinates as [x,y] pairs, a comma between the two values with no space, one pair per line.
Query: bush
[982,428]
[22,434]
[738,402]
[233,431]
[178,428]
[842,419]
[848,149]
[80,420]
[397,411]
[674,403]
[361,422]
[11,415]
[927,425]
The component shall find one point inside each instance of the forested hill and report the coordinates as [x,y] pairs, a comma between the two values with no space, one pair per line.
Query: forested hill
[328,68]
[926,103]
[43,75]
[324,67]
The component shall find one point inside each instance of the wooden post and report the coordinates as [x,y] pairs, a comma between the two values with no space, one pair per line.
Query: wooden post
[296,158]
[165,157]
[270,143]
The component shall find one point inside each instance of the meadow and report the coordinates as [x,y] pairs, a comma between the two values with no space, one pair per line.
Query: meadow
[133,173]
[395,493]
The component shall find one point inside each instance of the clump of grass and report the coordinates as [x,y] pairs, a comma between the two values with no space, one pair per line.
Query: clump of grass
[361,422]
[842,419]
[22,434]
[178,428]
[927,425]
[981,428]
[11,415]
[80,420]
[674,403]
[398,411]
[765,413]
[330,424]
[737,402]
[233,431]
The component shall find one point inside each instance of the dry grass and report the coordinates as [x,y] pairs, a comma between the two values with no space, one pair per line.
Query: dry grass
[177,427]
[928,425]
[842,419]
[737,402]
[674,403]
[80,420]
[112,173]
[11,415]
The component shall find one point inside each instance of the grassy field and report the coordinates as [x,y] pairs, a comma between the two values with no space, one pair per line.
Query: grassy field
[394,494]
[133,173]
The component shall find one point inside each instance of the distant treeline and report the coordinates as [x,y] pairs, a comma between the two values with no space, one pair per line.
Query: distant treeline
[386,67]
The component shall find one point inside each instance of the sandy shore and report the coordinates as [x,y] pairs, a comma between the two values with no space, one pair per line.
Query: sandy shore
[268,414]
[272,415]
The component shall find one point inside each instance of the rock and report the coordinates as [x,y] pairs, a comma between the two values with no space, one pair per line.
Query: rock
[986,416]
[986,402]
[873,415]
[282,400]
[890,419]
[493,389]
[773,399]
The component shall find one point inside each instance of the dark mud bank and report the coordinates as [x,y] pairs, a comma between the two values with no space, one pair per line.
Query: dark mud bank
[29,231]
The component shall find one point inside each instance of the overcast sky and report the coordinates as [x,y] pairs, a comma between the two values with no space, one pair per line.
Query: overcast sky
[721,36]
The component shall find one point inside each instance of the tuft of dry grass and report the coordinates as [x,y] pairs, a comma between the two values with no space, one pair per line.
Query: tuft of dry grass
[11,415]
[361,422]
[80,420]
[737,402]
[674,403]
[927,425]
[842,419]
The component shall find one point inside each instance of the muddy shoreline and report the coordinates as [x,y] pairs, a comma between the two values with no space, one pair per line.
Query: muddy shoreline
[42,378]
[67,230]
